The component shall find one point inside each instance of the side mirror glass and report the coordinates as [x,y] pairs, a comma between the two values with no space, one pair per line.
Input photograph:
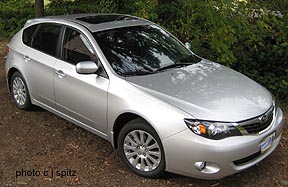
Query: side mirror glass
[86,67]
[188,45]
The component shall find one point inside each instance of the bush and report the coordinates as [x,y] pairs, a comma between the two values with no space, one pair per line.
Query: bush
[13,14]
[57,7]
[261,52]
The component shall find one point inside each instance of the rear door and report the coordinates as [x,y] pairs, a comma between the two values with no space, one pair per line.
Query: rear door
[40,58]
[80,96]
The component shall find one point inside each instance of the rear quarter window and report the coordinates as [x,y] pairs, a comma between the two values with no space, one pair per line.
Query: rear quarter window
[27,34]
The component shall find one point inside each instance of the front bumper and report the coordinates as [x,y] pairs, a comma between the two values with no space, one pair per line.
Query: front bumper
[223,157]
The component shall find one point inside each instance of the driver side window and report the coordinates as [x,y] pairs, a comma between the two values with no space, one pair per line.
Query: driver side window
[76,48]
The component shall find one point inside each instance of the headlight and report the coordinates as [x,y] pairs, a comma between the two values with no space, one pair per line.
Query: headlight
[212,130]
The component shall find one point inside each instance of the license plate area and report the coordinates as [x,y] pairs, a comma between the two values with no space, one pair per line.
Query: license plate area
[267,142]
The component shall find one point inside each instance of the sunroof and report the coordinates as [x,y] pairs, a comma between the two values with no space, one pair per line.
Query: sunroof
[105,18]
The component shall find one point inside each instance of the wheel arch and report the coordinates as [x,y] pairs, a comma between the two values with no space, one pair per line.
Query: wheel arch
[10,73]
[121,121]
[9,76]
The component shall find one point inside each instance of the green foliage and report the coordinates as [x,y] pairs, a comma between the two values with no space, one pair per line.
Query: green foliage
[248,37]
[141,8]
[57,7]
[13,14]
[261,52]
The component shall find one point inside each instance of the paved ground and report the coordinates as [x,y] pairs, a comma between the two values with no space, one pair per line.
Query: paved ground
[44,142]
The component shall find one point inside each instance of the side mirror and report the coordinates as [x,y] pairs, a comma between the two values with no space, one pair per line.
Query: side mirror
[188,45]
[86,67]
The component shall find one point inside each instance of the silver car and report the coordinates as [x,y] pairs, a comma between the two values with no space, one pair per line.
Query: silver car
[132,83]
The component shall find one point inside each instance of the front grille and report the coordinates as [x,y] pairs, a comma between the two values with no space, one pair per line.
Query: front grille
[258,127]
[258,124]
[247,159]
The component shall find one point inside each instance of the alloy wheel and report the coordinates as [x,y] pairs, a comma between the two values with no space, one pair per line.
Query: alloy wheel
[19,91]
[142,150]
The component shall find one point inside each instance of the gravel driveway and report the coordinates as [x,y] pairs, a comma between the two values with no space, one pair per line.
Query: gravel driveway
[35,144]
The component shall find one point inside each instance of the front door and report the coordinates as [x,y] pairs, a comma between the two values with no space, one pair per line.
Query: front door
[80,96]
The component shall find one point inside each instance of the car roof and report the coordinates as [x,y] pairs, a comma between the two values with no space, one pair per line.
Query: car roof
[96,22]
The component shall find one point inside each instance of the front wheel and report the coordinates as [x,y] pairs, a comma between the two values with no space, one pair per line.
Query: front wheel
[19,91]
[141,149]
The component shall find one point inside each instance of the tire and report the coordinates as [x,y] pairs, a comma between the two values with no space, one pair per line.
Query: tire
[19,92]
[141,149]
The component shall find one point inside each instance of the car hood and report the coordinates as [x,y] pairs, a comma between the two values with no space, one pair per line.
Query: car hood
[208,91]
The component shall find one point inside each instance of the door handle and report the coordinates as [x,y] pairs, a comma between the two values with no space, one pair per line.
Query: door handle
[26,58]
[60,73]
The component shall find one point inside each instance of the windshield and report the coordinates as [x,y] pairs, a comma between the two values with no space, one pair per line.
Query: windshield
[141,50]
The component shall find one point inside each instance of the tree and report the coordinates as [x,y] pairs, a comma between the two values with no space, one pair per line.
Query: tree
[39,8]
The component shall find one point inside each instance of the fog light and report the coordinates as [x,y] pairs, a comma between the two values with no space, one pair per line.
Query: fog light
[200,165]
[207,167]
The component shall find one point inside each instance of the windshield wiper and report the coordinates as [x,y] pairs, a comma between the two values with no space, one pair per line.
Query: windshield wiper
[136,73]
[141,73]
[174,66]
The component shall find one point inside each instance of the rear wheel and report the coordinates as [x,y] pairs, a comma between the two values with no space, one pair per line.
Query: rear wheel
[19,92]
[141,149]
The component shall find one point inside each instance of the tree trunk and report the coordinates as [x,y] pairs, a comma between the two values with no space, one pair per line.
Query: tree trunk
[39,8]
